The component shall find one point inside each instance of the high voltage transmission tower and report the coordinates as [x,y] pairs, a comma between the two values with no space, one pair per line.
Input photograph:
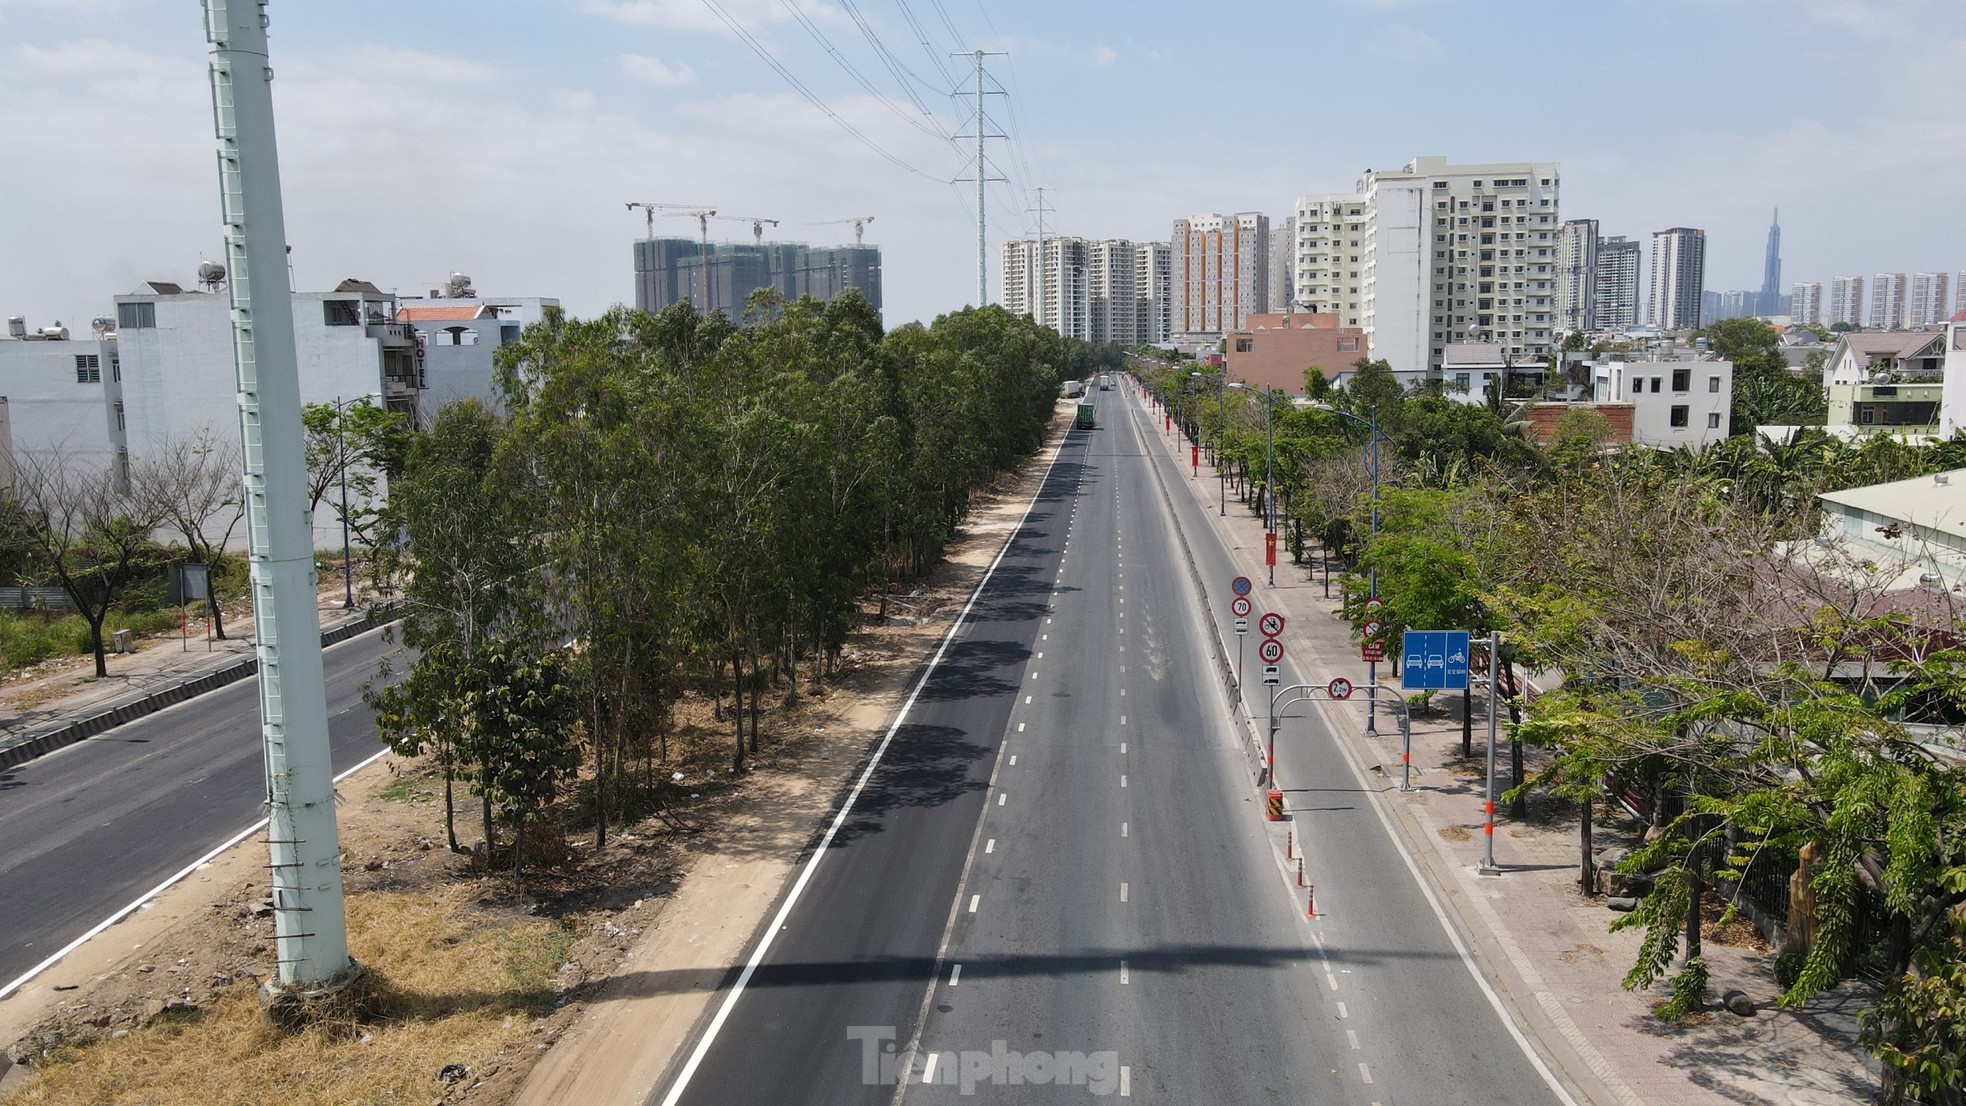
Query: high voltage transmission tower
[983,176]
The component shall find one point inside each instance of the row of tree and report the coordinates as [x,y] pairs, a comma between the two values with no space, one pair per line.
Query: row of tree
[1773,700]
[673,502]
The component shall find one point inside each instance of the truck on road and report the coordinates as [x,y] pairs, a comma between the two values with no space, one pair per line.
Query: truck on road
[1084,420]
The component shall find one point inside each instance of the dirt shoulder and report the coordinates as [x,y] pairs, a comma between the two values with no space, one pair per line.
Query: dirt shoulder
[598,970]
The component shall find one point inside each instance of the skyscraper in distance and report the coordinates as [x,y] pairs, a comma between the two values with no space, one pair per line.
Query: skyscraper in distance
[1846,301]
[1617,283]
[1576,276]
[1771,270]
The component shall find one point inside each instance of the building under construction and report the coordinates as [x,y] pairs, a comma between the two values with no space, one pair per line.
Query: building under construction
[669,270]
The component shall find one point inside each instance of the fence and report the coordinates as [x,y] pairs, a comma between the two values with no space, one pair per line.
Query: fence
[35,599]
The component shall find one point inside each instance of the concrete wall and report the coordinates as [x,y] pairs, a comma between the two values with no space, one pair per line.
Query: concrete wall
[51,410]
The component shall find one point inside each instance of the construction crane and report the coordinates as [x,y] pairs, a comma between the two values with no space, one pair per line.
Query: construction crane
[702,215]
[859,225]
[757,226]
[649,210]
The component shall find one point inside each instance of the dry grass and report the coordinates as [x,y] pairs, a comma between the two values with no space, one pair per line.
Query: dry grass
[449,985]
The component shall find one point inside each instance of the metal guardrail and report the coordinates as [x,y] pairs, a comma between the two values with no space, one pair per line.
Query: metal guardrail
[60,735]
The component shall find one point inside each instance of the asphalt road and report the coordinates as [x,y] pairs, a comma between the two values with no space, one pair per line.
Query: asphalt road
[1057,882]
[87,829]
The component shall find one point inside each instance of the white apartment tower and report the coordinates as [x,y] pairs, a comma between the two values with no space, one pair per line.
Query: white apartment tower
[1112,281]
[1576,276]
[1679,266]
[1846,301]
[1330,233]
[1928,301]
[1617,283]
[1054,290]
[1887,301]
[1806,303]
[1220,271]
[1152,287]
[1283,270]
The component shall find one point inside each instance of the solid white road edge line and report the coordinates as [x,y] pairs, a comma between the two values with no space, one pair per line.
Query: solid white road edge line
[777,926]
[145,898]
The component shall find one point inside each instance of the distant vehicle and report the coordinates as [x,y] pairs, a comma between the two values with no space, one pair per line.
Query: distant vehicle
[1105,385]
[1073,389]
[1084,421]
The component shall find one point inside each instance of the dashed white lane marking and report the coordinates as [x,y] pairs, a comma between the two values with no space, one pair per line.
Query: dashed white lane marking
[1122,973]
[973,901]
[1122,693]
[1122,781]
[1122,748]
[1364,1072]
[1126,1081]
[928,1070]
[1123,667]
[990,846]
[956,975]
[1041,657]
[1013,756]
[1047,622]
[1122,892]
[1044,637]
[1123,829]
[1122,719]
[1351,1038]
[1027,699]
[1331,980]
[1020,727]
[1001,798]
[1341,1010]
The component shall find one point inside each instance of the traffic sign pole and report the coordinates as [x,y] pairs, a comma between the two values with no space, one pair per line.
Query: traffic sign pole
[1488,866]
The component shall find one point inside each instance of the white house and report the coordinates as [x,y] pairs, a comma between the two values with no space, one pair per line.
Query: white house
[458,332]
[1904,355]
[1678,398]
[1918,523]
[64,395]
[1952,405]
[1470,369]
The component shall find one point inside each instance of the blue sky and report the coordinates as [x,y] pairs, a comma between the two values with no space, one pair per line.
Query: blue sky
[502,138]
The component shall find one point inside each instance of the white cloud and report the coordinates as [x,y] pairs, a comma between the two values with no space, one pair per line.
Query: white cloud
[696,15]
[1104,55]
[653,70]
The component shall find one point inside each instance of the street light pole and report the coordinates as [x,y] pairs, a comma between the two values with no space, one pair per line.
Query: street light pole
[1222,439]
[1488,866]
[1372,667]
[1269,486]
[347,554]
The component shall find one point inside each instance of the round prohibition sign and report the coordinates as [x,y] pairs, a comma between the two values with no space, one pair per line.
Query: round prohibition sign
[1240,607]
[1340,688]
[1240,585]
[1271,650]
[1271,624]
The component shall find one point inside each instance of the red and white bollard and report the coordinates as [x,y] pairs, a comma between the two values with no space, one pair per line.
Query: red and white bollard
[1300,873]
[1310,901]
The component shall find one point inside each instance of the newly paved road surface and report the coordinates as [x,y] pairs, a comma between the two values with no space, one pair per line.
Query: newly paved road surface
[86,830]
[1057,884]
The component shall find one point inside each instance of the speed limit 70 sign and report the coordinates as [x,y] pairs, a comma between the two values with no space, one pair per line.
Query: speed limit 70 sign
[1240,607]
[1271,650]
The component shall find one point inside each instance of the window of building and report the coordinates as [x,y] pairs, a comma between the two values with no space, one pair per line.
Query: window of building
[88,369]
[119,416]
[1245,345]
[1679,417]
[341,313]
[1656,381]
[136,316]
[1713,420]
[1713,384]
[1682,380]
[1347,345]
[115,367]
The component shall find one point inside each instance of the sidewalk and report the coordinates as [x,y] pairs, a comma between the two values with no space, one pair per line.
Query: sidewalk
[59,693]
[1555,963]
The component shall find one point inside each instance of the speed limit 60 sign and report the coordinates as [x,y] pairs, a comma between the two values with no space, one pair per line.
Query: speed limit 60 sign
[1271,650]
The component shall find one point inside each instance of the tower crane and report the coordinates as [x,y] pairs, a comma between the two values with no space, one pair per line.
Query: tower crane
[649,210]
[859,225]
[757,225]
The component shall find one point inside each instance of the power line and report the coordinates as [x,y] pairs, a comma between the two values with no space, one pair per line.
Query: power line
[765,55]
[900,72]
[826,44]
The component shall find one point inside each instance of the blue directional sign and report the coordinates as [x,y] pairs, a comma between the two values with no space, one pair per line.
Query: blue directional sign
[1436,660]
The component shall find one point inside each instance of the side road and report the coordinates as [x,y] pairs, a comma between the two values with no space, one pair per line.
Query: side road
[42,713]
[1554,962]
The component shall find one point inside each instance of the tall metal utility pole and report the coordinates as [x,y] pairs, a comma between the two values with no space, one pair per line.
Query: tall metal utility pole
[309,926]
[982,177]
[1041,259]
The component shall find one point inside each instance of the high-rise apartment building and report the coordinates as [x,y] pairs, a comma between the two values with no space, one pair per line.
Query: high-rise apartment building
[1576,276]
[1283,268]
[1330,233]
[1846,301]
[670,270]
[1679,267]
[1959,293]
[1457,253]
[1049,281]
[1928,301]
[1153,315]
[1220,271]
[1617,283]
[1806,303]
[1112,280]
[1771,271]
[1887,301]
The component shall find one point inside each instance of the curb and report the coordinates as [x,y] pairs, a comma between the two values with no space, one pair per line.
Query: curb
[63,734]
